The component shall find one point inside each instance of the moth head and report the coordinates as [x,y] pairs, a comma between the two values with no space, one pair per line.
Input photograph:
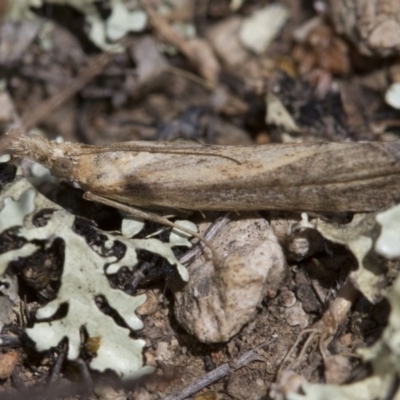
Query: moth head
[50,154]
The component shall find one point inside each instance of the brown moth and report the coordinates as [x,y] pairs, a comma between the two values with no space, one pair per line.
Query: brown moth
[345,176]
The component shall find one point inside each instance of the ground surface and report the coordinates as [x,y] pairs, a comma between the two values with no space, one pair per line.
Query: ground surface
[202,84]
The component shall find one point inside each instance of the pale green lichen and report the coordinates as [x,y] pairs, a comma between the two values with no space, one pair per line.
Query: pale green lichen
[122,19]
[17,201]
[131,226]
[388,243]
[366,234]
[83,280]
[359,236]
[13,212]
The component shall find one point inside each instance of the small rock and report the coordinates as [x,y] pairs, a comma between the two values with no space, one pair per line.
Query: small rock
[162,352]
[8,362]
[346,339]
[261,28]
[142,394]
[242,387]
[373,27]
[150,360]
[219,299]
[297,243]
[295,316]
[337,369]
[16,37]
[287,298]
[224,38]
[149,307]
[106,392]
[289,382]
[392,95]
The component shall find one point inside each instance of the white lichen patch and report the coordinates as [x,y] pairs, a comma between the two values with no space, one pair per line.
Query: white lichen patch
[379,232]
[366,236]
[16,202]
[13,212]
[5,158]
[83,281]
[177,238]
[120,21]
[131,226]
[388,243]
[359,236]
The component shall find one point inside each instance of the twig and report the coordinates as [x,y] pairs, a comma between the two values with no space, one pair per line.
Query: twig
[9,341]
[47,107]
[163,28]
[55,373]
[50,392]
[219,373]
[84,370]
[189,76]
[197,51]
[17,380]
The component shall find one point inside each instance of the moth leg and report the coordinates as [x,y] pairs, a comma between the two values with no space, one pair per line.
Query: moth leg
[136,212]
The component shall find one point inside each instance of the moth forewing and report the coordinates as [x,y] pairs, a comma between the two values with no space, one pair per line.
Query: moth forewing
[309,177]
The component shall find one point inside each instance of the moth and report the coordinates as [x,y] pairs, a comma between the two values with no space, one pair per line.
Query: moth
[164,176]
